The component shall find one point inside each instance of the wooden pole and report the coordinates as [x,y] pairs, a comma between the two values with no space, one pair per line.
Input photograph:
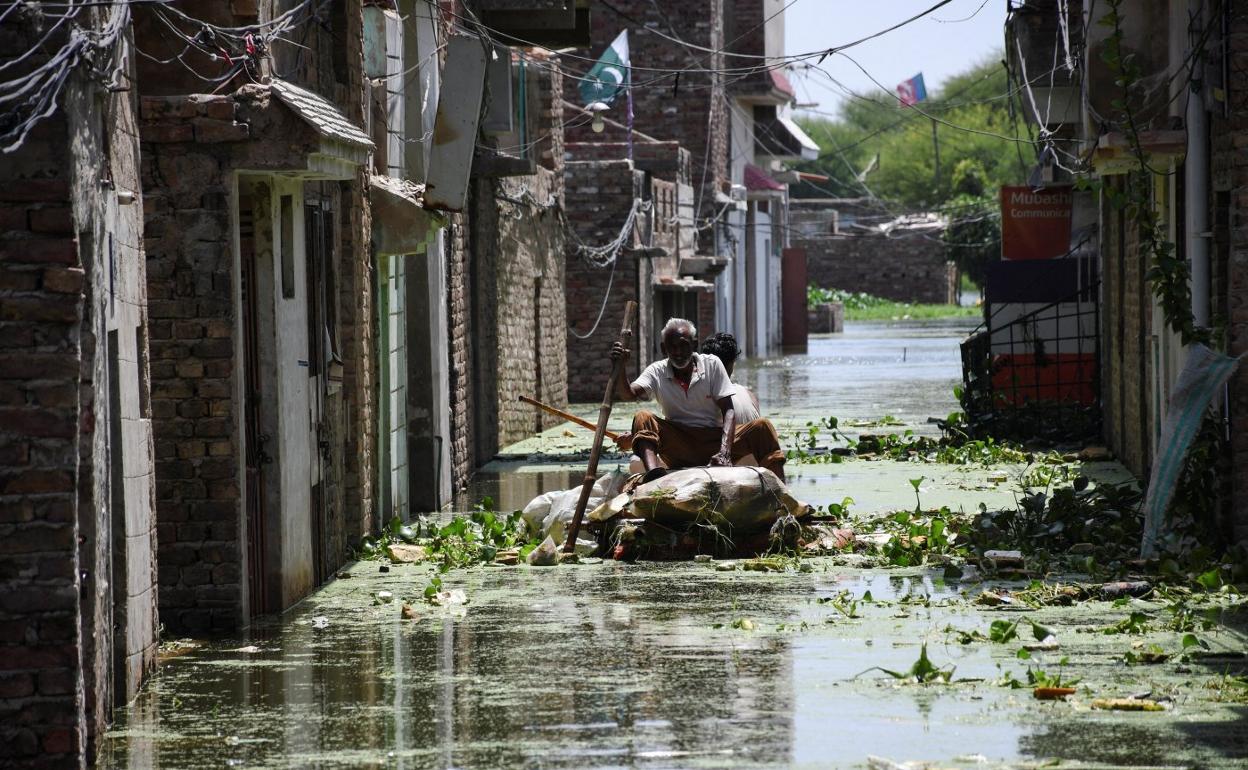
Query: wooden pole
[567,416]
[604,413]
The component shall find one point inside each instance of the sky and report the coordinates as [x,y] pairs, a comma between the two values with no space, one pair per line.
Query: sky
[941,44]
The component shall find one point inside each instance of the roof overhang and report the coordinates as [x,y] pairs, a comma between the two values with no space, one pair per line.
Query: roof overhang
[683,285]
[779,137]
[401,225]
[1113,153]
[340,147]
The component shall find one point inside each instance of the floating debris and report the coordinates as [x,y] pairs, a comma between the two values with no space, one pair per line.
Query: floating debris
[1127,704]
[1053,693]
[545,555]
[401,553]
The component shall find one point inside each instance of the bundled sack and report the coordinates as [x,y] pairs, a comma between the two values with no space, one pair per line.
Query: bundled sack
[740,500]
[549,514]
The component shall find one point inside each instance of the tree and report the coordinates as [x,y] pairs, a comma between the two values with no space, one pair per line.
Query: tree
[973,238]
[978,99]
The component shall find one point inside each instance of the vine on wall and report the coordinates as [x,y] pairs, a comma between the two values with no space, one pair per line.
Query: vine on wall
[1168,274]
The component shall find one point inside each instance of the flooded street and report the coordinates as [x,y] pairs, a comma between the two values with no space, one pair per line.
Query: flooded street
[682,665]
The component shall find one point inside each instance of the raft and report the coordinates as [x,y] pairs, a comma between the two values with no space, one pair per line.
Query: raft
[730,512]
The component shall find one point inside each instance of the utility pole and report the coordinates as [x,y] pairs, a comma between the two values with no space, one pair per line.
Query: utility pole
[936,148]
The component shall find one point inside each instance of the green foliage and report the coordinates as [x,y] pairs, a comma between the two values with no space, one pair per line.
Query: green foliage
[915,536]
[843,602]
[1003,631]
[973,238]
[922,671]
[860,306]
[461,542]
[1136,623]
[1038,677]
[903,140]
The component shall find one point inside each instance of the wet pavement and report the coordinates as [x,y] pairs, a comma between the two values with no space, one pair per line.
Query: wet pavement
[616,665]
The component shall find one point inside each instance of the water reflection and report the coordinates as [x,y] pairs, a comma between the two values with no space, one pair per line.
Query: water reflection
[595,667]
[906,370]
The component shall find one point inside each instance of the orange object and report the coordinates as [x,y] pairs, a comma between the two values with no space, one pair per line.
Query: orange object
[1052,693]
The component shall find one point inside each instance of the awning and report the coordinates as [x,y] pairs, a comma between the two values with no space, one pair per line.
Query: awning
[683,285]
[780,82]
[757,180]
[343,146]
[808,149]
[779,137]
[401,225]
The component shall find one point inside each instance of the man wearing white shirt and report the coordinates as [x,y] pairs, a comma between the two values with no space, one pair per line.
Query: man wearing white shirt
[699,425]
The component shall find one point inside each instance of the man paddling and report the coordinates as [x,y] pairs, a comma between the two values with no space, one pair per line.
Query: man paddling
[699,425]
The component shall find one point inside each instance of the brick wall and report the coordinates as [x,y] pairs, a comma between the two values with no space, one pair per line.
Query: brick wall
[1229,217]
[1126,319]
[521,318]
[691,111]
[459,318]
[604,192]
[905,268]
[356,319]
[75,459]
[189,145]
[41,315]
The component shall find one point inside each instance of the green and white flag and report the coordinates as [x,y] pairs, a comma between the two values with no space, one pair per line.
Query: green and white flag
[609,75]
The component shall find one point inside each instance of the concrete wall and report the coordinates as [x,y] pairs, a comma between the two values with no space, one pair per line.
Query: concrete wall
[77,597]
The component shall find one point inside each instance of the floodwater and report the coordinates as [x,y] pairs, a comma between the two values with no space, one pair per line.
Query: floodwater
[614,665]
[905,370]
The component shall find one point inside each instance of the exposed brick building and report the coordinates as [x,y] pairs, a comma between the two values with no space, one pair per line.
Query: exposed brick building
[1193,123]
[78,617]
[258,278]
[507,311]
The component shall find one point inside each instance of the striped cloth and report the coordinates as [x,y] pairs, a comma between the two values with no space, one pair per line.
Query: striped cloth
[1203,374]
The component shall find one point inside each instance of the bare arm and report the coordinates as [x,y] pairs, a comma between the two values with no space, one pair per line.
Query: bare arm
[624,390]
[724,455]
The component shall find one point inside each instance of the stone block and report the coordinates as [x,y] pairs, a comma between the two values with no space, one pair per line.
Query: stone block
[209,130]
[166,133]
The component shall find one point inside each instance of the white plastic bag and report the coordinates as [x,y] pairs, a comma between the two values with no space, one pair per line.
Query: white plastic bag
[549,514]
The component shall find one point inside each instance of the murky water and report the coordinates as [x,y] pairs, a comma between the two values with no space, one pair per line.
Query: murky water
[614,665]
[907,370]
[592,666]
[640,666]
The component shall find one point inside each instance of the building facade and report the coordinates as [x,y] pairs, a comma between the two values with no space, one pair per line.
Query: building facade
[77,524]
[271,275]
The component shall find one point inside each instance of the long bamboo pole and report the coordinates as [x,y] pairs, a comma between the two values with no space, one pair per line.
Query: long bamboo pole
[604,413]
[556,411]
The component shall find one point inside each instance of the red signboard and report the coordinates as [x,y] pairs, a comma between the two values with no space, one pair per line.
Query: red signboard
[1035,224]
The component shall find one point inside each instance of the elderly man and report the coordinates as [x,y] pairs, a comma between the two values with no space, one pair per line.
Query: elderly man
[699,425]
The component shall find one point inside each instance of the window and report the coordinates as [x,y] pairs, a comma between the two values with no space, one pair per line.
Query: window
[288,246]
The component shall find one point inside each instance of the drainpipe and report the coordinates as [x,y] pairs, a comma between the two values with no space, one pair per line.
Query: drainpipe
[1196,177]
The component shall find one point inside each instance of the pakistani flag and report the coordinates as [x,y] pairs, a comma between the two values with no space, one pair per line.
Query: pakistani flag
[610,75]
